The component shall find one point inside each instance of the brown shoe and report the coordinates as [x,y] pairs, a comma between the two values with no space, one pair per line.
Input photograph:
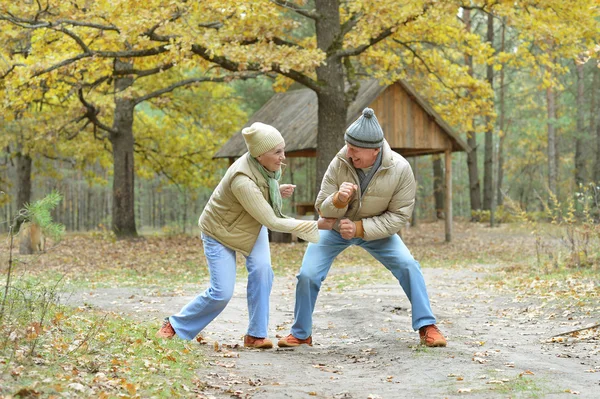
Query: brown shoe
[166,331]
[258,343]
[431,336]
[290,341]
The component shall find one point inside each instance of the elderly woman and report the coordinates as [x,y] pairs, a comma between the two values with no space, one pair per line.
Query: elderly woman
[244,205]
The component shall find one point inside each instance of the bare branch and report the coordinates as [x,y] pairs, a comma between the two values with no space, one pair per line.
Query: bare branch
[145,72]
[485,7]
[232,66]
[88,25]
[211,25]
[73,36]
[277,40]
[152,157]
[290,5]
[215,24]
[350,23]
[76,133]
[151,33]
[105,54]
[9,70]
[131,53]
[186,82]
[577,330]
[62,64]
[381,36]
[92,114]
[373,41]
[36,24]
[437,76]
[61,159]
[97,81]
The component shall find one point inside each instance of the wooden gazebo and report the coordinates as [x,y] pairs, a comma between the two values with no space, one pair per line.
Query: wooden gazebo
[411,126]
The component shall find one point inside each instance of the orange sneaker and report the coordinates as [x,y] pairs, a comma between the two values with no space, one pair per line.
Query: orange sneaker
[431,336]
[290,341]
[258,343]
[166,331]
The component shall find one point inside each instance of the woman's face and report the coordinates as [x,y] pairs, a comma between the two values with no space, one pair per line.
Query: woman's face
[273,159]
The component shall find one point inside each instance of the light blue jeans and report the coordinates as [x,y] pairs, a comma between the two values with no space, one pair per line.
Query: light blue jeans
[391,252]
[198,313]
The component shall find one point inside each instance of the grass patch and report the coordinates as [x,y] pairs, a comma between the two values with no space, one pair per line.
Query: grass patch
[522,387]
[93,260]
[580,286]
[48,350]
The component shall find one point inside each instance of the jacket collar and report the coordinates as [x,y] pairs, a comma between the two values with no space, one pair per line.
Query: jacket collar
[255,172]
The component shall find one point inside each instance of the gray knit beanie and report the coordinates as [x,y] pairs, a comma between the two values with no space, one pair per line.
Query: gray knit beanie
[365,132]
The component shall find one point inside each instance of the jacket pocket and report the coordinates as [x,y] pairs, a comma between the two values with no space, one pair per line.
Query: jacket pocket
[235,222]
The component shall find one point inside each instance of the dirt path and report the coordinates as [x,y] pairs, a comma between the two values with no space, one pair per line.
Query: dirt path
[364,347]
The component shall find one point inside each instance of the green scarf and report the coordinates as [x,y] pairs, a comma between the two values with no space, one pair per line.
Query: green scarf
[273,180]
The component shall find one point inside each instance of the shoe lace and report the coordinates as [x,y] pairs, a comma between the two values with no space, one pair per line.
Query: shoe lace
[167,324]
[428,329]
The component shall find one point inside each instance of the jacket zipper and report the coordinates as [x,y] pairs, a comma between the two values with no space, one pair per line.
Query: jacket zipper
[355,175]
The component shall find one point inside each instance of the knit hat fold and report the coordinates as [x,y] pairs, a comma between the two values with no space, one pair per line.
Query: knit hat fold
[365,132]
[260,138]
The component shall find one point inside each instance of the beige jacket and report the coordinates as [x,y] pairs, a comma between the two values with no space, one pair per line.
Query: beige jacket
[239,207]
[386,204]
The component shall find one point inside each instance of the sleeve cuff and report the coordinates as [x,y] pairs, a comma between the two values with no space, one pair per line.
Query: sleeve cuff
[339,203]
[360,231]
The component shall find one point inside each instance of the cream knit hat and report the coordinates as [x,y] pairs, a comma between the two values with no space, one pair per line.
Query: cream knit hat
[261,138]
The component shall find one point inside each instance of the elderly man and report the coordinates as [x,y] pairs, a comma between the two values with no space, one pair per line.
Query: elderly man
[371,189]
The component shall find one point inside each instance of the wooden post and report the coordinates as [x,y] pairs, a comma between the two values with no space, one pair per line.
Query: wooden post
[413,221]
[448,204]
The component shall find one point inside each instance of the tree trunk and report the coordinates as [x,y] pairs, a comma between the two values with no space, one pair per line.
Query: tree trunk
[123,210]
[552,165]
[580,133]
[488,163]
[184,217]
[332,110]
[140,205]
[474,187]
[502,126]
[438,186]
[415,214]
[89,218]
[23,163]
[595,122]
[152,205]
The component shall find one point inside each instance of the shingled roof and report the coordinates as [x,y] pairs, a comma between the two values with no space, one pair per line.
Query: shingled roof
[294,114]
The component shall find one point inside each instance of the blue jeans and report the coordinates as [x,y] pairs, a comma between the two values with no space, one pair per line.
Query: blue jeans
[198,313]
[391,252]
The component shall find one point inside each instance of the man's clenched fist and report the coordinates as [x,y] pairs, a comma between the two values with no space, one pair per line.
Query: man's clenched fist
[346,191]
[347,229]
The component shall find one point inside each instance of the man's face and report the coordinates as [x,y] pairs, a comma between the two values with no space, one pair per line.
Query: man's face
[362,157]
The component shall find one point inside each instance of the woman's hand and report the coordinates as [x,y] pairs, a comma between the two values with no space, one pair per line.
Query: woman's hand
[326,223]
[286,190]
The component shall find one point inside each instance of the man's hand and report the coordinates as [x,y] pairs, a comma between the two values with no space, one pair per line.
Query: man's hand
[347,229]
[346,191]
[326,223]
[286,190]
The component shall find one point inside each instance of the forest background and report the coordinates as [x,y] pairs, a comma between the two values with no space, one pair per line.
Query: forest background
[120,107]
